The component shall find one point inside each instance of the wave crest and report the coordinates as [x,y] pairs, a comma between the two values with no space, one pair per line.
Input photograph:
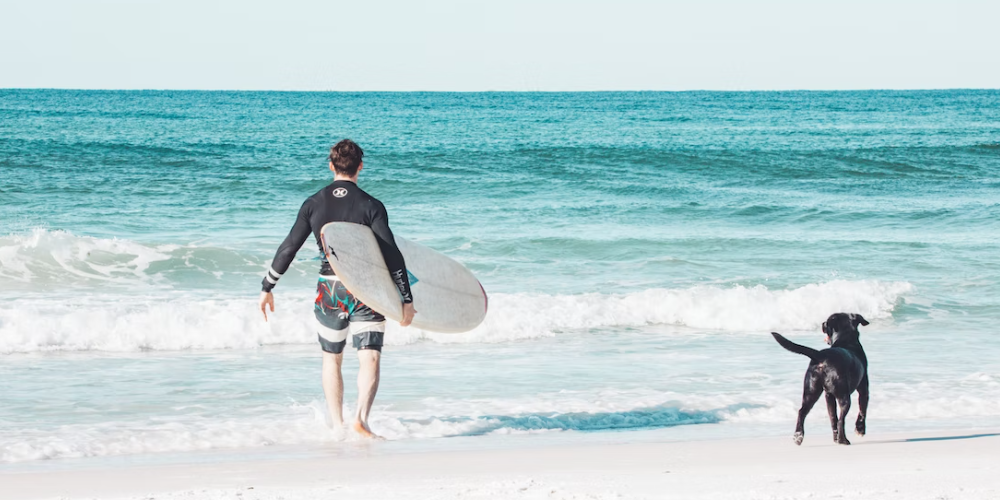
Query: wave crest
[43,261]
[42,253]
[732,309]
[177,322]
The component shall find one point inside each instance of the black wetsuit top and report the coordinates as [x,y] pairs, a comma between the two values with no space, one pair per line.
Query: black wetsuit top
[341,201]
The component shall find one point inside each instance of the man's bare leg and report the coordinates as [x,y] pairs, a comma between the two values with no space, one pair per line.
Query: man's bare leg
[333,388]
[368,376]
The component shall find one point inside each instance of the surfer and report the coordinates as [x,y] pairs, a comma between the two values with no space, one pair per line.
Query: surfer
[338,313]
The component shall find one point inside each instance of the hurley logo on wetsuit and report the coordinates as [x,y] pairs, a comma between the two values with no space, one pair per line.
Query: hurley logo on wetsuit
[340,192]
[398,277]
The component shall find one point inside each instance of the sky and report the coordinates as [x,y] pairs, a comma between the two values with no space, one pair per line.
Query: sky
[541,45]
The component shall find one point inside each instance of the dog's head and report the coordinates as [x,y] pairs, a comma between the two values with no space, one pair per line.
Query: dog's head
[843,327]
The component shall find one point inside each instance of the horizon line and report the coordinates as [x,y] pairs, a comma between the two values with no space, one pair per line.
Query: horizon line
[885,89]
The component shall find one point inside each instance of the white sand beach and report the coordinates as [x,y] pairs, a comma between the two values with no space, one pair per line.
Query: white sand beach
[911,466]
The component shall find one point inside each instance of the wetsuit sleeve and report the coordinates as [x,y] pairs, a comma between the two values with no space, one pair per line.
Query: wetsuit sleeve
[390,252]
[288,248]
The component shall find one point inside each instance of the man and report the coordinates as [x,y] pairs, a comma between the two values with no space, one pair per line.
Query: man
[337,311]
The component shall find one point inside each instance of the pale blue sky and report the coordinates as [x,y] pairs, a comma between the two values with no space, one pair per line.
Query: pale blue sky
[499,45]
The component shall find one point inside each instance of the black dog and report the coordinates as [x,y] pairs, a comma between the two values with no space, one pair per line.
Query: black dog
[837,371]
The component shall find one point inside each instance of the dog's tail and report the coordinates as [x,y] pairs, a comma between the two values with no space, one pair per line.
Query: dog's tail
[792,346]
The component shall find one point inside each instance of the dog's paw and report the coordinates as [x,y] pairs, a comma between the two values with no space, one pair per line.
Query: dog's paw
[843,440]
[797,437]
[859,428]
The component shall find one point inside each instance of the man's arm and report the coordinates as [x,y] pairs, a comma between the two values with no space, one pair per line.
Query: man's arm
[390,252]
[393,260]
[284,256]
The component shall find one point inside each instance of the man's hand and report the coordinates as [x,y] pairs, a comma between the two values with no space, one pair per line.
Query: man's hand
[267,299]
[408,312]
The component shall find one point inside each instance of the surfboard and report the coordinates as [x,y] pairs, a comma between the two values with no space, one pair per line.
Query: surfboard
[446,295]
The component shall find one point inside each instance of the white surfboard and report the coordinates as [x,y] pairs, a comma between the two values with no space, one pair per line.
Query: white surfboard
[447,297]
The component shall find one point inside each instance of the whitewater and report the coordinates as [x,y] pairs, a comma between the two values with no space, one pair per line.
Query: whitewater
[638,248]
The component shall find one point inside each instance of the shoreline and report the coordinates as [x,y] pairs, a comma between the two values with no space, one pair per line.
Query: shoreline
[902,465]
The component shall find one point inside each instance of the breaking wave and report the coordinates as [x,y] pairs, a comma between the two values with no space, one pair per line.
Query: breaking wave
[176,321]
[45,261]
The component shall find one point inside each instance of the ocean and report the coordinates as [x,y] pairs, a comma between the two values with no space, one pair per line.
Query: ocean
[638,248]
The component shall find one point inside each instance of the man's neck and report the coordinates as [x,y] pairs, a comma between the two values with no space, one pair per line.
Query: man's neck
[346,178]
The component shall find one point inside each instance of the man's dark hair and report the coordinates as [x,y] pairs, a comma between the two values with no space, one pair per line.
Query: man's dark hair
[346,157]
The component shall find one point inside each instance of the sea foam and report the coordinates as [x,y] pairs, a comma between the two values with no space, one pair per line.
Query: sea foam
[564,411]
[178,321]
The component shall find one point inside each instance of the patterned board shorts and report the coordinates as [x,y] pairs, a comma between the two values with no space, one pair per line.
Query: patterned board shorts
[340,314]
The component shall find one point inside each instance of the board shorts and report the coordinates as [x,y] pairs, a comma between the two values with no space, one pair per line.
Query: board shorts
[339,314]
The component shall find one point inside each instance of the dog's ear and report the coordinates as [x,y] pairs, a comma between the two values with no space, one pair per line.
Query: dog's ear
[857,319]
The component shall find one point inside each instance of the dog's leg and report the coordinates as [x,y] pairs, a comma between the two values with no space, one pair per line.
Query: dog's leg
[809,397]
[831,409]
[859,426]
[845,406]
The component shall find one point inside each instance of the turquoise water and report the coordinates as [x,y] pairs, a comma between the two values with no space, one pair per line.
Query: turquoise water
[637,248]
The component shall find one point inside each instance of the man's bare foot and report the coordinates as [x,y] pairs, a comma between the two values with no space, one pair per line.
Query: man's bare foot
[364,431]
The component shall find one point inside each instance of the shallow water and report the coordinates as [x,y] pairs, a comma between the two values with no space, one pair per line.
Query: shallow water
[637,247]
